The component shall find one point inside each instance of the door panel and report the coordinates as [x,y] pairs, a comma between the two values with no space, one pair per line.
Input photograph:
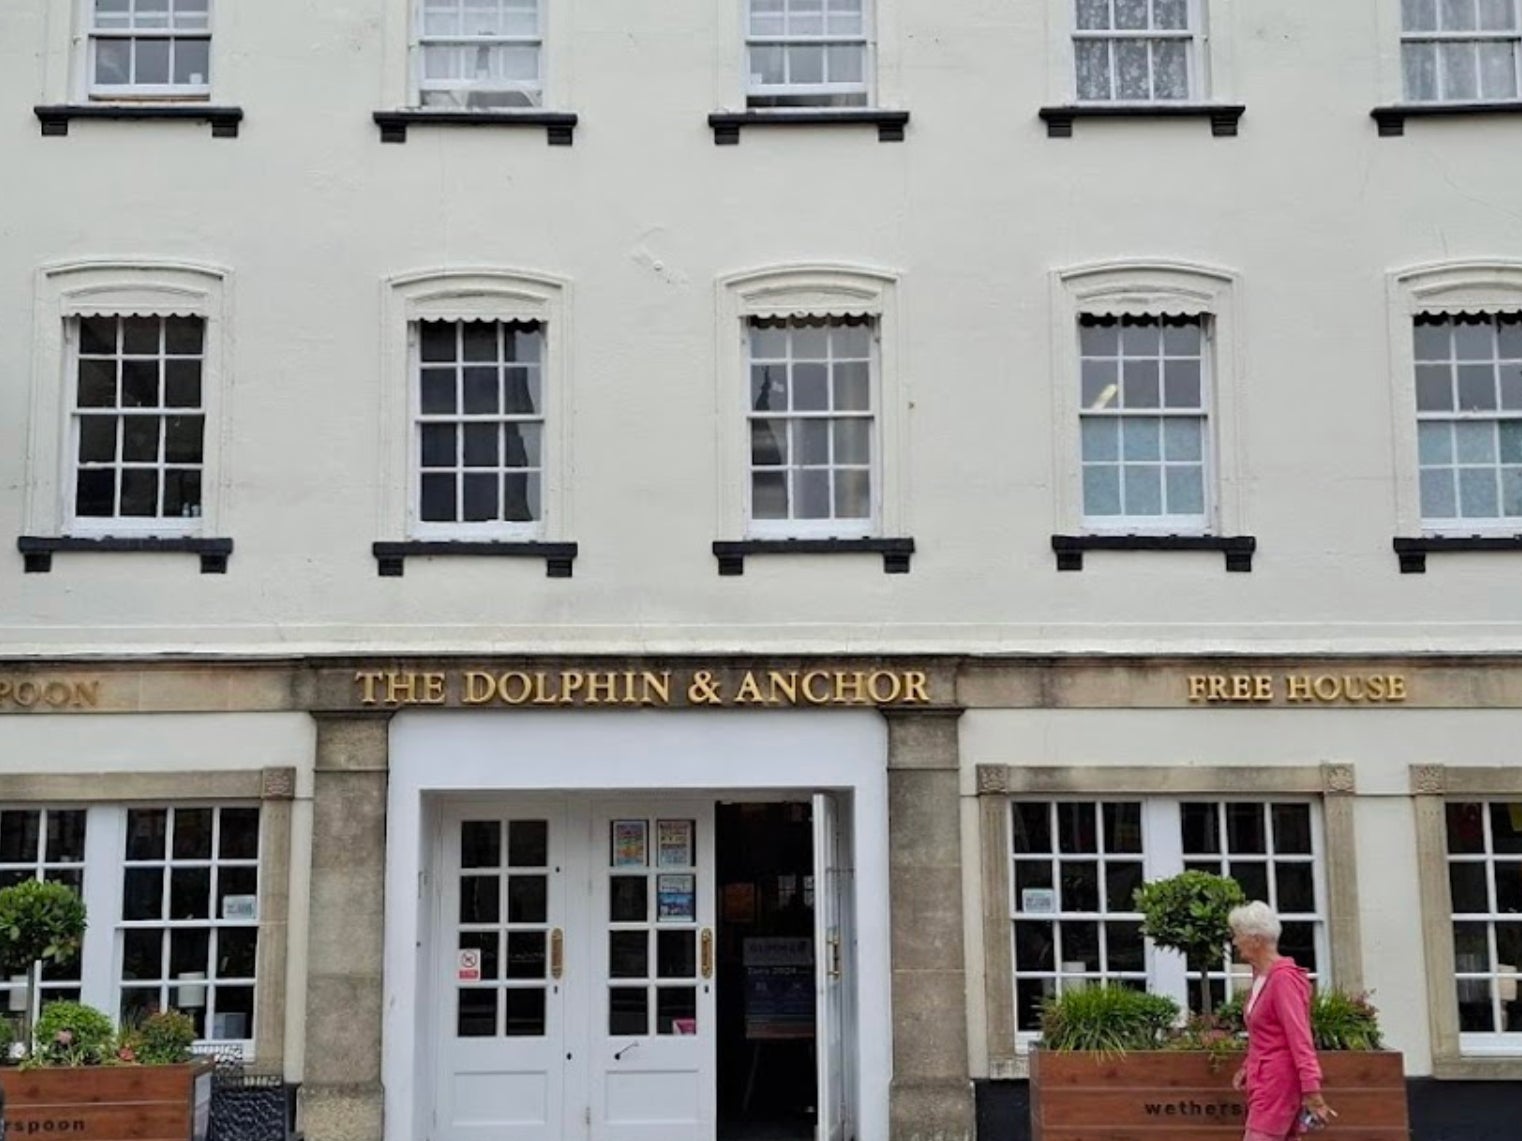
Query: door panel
[652,1034]
[501,1025]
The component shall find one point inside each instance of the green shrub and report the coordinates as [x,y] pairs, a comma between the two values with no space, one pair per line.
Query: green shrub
[40,921]
[1187,913]
[7,1040]
[1107,1019]
[1341,1021]
[73,1034]
[163,1038]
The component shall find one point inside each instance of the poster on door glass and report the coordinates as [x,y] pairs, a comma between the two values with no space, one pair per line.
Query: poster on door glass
[675,899]
[628,843]
[673,843]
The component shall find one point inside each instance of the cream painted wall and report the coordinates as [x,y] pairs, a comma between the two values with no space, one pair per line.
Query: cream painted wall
[644,213]
[1378,744]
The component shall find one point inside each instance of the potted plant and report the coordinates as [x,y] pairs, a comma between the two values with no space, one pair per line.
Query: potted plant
[1115,1063]
[79,1076]
[40,922]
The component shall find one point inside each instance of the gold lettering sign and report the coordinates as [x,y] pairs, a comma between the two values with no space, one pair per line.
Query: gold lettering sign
[48,693]
[639,688]
[1297,689]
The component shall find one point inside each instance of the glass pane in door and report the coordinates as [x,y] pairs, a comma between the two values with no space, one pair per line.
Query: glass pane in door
[502,963]
[653,939]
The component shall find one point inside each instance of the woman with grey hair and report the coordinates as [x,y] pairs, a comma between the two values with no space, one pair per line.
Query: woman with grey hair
[1281,1074]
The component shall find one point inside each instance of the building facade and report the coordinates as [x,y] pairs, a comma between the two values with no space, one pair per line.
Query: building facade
[663,570]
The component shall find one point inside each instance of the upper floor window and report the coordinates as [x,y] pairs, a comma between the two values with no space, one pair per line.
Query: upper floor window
[1460,51]
[138,423]
[480,425]
[1469,418]
[812,426]
[1136,51]
[149,48]
[479,54]
[1143,421]
[1485,881]
[807,53]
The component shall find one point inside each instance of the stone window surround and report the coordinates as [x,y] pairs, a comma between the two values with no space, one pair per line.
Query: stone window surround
[1155,288]
[809,290]
[1491,286]
[496,294]
[275,791]
[1433,786]
[69,290]
[997,784]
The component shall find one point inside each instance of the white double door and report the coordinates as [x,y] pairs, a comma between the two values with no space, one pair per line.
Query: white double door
[574,964]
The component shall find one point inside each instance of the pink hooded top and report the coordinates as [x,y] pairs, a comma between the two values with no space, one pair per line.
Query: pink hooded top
[1281,1062]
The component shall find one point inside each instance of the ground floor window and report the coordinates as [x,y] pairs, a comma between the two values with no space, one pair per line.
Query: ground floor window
[1485,882]
[172,894]
[1077,864]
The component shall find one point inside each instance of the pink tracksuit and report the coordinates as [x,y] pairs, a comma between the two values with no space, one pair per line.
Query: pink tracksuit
[1281,1062]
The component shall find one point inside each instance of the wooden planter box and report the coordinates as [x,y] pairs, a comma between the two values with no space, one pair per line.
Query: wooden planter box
[108,1103]
[1179,1094]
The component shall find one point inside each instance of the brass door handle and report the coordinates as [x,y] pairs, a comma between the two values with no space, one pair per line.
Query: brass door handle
[557,953]
[706,954]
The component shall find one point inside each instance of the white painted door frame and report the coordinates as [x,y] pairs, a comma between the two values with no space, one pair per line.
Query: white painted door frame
[724,752]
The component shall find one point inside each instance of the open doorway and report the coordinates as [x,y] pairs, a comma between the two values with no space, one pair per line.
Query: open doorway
[767,1058]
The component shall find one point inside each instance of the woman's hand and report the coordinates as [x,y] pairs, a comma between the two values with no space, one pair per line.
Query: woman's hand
[1316,1105]
[1239,1079]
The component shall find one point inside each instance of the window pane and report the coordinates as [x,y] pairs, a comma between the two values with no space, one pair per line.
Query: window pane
[1141,384]
[1093,14]
[1457,15]
[1032,827]
[1131,14]
[192,62]
[1419,15]
[95,494]
[1201,828]
[150,62]
[1296,892]
[1466,828]
[1434,388]
[1185,488]
[1123,827]
[1245,831]
[97,439]
[97,384]
[1182,439]
[1092,63]
[1075,827]
[1170,69]
[1100,438]
[113,62]
[1506,827]
[1478,495]
[1182,384]
[1458,66]
[1470,890]
[1498,70]
[1419,65]
[192,834]
[528,844]
[1171,14]
[1292,829]
[1141,438]
[1498,15]
[1439,498]
[1144,490]
[1133,73]
[1101,490]
[525,1015]
[1080,886]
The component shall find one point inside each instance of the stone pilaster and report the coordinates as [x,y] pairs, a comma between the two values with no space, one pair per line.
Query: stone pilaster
[341,1095]
[931,1096]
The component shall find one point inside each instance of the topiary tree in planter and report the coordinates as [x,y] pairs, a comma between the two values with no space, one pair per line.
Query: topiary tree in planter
[1187,913]
[40,922]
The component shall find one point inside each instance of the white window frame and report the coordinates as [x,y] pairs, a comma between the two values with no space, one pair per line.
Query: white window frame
[1162,855]
[1490,287]
[1165,523]
[1196,56]
[419,40]
[1475,37]
[69,291]
[1213,63]
[104,865]
[1472,1042]
[1134,288]
[170,92]
[810,290]
[473,295]
[821,93]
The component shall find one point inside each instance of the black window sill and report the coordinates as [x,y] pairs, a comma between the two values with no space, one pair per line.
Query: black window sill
[55,119]
[38,551]
[1238,549]
[1392,119]
[559,126]
[1413,552]
[890,124]
[391,558]
[1223,117]
[895,552]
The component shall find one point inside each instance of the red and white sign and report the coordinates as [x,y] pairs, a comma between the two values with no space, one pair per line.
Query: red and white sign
[468,969]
